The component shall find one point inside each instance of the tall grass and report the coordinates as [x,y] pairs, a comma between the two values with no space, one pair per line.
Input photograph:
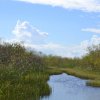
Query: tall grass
[22,75]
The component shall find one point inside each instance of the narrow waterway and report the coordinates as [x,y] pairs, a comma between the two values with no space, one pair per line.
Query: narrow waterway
[66,87]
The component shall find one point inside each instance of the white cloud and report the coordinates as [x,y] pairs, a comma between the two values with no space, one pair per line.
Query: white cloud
[84,5]
[34,38]
[24,31]
[93,30]
[66,51]
[60,50]
[95,40]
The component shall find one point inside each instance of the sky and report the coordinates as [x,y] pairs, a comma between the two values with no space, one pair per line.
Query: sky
[58,27]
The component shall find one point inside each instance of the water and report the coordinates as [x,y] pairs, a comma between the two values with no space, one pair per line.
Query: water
[66,87]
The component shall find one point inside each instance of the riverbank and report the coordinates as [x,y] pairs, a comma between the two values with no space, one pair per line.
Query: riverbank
[24,73]
[67,87]
[93,77]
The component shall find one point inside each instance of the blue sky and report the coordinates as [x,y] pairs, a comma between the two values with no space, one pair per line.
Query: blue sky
[58,27]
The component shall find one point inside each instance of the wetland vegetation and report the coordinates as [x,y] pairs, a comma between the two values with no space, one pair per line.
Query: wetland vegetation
[24,73]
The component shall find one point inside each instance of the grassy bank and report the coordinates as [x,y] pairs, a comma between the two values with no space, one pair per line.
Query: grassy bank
[87,67]
[93,83]
[24,73]
[23,87]
[92,77]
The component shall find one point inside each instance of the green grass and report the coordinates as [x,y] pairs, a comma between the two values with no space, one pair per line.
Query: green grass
[24,74]
[29,86]
[93,83]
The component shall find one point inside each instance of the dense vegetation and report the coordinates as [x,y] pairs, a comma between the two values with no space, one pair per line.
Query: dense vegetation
[24,73]
[87,67]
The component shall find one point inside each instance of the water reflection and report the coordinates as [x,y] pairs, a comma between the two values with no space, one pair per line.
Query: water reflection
[66,87]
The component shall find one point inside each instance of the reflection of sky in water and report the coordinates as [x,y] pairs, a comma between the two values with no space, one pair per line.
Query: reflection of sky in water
[66,87]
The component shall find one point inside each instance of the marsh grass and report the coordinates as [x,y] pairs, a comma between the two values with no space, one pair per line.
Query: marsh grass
[22,74]
[86,67]
[23,87]
[93,83]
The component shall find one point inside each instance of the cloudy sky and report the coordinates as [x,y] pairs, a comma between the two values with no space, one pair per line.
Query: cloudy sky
[58,27]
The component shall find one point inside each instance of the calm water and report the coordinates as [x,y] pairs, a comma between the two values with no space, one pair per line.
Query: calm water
[66,87]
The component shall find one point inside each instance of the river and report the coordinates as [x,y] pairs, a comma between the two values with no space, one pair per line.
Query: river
[67,87]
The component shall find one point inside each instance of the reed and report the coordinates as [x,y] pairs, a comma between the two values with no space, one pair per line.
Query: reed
[22,74]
